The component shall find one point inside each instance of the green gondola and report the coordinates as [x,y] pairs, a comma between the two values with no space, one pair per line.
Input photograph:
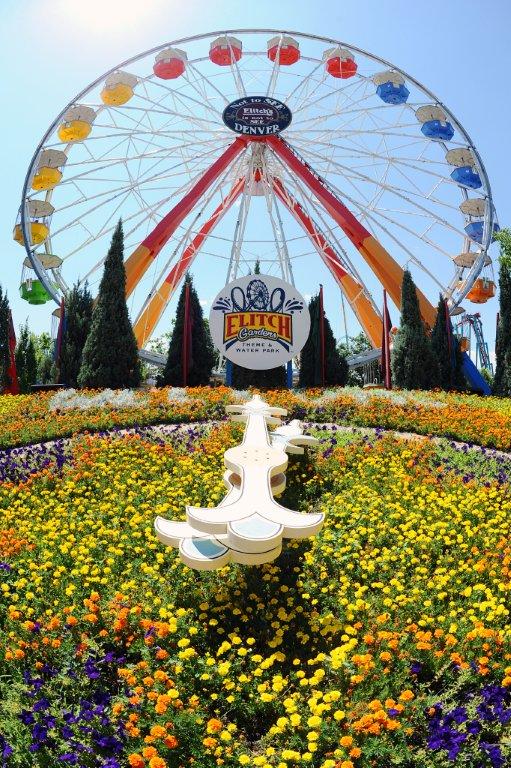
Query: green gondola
[34,292]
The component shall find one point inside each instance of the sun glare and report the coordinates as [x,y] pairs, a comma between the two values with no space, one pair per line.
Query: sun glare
[116,18]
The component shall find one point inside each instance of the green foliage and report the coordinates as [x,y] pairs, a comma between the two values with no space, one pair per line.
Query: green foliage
[78,318]
[354,345]
[4,340]
[110,356]
[413,364]
[488,377]
[274,378]
[43,347]
[448,355]
[502,382]
[26,361]
[202,354]
[336,372]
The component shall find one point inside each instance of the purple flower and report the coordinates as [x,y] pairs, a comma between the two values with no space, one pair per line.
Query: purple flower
[5,567]
[415,668]
[39,733]
[5,750]
[494,753]
[41,705]
[91,670]
[69,757]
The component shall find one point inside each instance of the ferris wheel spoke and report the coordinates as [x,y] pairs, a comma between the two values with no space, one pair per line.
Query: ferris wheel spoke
[317,212]
[163,290]
[304,82]
[144,179]
[347,172]
[182,96]
[203,79]
[356,292]
[226,200]
[341,96]
[122,191]
[397,162]
[376,226]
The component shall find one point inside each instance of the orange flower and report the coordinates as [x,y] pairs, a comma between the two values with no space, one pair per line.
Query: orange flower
[149,752]
[157,762]
[158,732]
[346,741]
[171,742]
[214,725]
[209,742]
[355,752]
[407,695]
[136,761]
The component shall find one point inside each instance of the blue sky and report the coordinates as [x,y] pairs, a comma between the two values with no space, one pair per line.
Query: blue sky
[52,48]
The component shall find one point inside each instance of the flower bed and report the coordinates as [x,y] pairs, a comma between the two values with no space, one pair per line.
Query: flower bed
[384,641]
[29,419]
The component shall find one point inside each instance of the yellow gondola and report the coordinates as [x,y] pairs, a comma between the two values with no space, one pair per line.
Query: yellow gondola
[77,124]
[118,89]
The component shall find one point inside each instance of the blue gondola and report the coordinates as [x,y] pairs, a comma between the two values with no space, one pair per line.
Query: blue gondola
[467,177]
[436,129]
[393,94]
[475,230]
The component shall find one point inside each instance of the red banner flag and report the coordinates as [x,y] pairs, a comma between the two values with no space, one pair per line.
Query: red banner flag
[13,388]
[385,344]
[60,333]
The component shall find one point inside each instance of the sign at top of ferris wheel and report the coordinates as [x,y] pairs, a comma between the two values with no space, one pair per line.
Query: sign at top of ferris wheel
[257,116]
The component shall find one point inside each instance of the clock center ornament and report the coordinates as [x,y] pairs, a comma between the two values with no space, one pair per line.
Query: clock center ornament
[248,525]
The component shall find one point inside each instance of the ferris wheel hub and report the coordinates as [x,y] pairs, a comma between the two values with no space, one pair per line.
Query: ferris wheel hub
[257,116]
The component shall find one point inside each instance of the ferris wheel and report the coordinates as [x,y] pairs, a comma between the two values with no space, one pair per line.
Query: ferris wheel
[223,148]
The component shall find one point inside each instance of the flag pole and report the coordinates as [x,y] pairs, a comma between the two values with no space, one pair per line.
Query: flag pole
[385,344]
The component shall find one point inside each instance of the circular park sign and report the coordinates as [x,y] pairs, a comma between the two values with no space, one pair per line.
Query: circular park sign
[259,322]
[257,116]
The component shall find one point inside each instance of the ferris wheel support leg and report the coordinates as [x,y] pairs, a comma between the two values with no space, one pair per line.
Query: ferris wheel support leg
[150,315]
[141,258]
[386,269]
[354,291]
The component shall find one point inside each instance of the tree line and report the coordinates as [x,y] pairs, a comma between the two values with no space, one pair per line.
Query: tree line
[99,350]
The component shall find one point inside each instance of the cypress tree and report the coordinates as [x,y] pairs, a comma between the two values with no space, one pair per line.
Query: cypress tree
[4,341]
[413,364]
[26,361]
[502,381]
[447,353]
[336,367]
[110,355]
[78,319]
[202,353]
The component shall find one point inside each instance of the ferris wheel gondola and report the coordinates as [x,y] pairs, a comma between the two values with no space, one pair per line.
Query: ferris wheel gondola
[366,168]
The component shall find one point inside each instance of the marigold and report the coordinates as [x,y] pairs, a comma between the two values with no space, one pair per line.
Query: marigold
[407,695]
[157,762]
